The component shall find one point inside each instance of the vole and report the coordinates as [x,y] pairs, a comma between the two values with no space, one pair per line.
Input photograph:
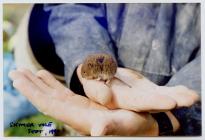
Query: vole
[100,66]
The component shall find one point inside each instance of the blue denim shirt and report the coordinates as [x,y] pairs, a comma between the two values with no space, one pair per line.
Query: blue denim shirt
[162,41]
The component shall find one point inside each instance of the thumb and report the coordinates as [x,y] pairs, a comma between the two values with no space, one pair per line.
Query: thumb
[97,91]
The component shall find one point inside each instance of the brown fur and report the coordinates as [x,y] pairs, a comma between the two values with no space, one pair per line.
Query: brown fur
[99,66]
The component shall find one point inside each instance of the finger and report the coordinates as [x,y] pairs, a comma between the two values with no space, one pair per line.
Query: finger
[154,102]
[182,95]
[159,102]
[30,90]
[132,72]
[129,98]
[96,90]
[38,82]
[14,74]
[50,80]
[193,94]
[129,76]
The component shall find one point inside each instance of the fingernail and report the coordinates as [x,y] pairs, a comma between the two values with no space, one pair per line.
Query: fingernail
[21,69]
[11,74]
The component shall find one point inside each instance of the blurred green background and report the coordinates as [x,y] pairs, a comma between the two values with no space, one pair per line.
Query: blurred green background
[12,15]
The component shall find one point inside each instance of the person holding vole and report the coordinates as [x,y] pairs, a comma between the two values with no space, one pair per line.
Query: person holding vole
[161,41]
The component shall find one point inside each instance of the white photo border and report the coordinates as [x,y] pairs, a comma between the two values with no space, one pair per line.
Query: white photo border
[105,1]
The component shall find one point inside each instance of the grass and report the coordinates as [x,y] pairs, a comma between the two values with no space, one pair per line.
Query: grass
[12,15]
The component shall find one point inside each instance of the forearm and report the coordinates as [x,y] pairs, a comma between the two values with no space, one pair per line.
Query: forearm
[73,37]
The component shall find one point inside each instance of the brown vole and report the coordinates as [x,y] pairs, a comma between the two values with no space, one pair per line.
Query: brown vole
[99,66]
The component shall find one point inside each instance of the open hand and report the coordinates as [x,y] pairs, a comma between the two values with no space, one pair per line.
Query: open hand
[143,95]
[84,115]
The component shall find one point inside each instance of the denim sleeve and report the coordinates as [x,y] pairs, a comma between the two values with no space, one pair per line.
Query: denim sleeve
[189,118]
[78,30]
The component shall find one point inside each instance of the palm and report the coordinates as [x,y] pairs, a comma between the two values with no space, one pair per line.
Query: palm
[142,96]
